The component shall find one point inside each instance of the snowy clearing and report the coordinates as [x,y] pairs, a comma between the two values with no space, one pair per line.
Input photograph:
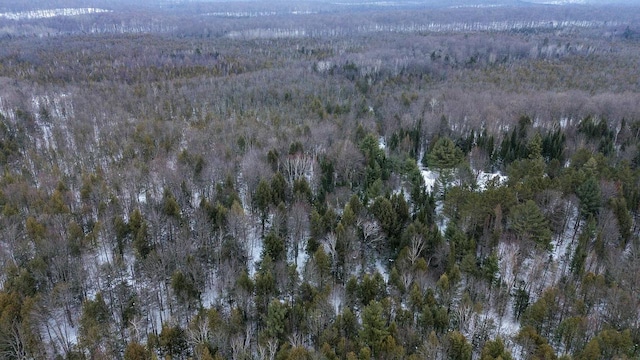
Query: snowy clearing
[49,13]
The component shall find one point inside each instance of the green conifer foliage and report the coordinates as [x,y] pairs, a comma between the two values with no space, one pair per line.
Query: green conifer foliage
[589,194]
[529,223]
[444,154]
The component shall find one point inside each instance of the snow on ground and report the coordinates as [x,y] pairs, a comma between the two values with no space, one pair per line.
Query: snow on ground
[254,249]
[104,255]
[382,270]
[430,178]
[210,294]
[505,325]
[253,241]
[142,197]
[47,136]
[5,111]
[196,198]
[61,334]
[159,316]
[49,13]
[382,144]
[563,246]
[336,299]
[538,271]
[301,260]
[507,264]
[441,220]
[483,178]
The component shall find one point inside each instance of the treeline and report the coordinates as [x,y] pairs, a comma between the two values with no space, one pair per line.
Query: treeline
[404,196]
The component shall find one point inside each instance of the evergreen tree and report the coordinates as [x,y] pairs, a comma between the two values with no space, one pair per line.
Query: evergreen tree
[459,348]
[95,326]
[274,247]
[262,199]
[495,350]
[278,189]
[135,351]
[529,223]
[444,155]
[170,205]
[623,217]
[275,321]
[172,341]
[374,329]
[589,194]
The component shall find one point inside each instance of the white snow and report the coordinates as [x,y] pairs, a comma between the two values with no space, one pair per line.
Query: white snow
[336,299]
[558,263]
[441,220]
[538,270]
[482,178]
[302,259]
[506,325]
[556,2]
[104,255]
[49,13]
[210,294]
[252,14]
[47,137]
[382,144]
[430,178]
[142,197]
[382,270]
[254,249]
[60,332]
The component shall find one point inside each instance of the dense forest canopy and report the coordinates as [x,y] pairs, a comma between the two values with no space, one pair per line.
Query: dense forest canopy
[314,180]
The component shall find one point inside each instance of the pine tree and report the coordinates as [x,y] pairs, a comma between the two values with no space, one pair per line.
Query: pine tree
[494,350]
[274,247]
[374,328]
[262,199]
[529,223]
[173,341]
[589,194]
[135,351]
[275,320]
[459,348]
[95,329]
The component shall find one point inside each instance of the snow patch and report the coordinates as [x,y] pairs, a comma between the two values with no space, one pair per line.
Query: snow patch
[508,268]
[301,260]
[506,325]
[558,264]
[61,333]
[441,220]
[49,13]
[484,178]
[253,14]
[382,270]
[556,2]
[429,177]
[209,296]
[142,197]
[336,299]
[382,144]
[268,34]
[254,249]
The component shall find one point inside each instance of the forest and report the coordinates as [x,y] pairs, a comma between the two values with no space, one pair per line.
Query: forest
[250,180]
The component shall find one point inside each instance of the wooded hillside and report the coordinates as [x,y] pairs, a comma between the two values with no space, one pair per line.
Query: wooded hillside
[320,184]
